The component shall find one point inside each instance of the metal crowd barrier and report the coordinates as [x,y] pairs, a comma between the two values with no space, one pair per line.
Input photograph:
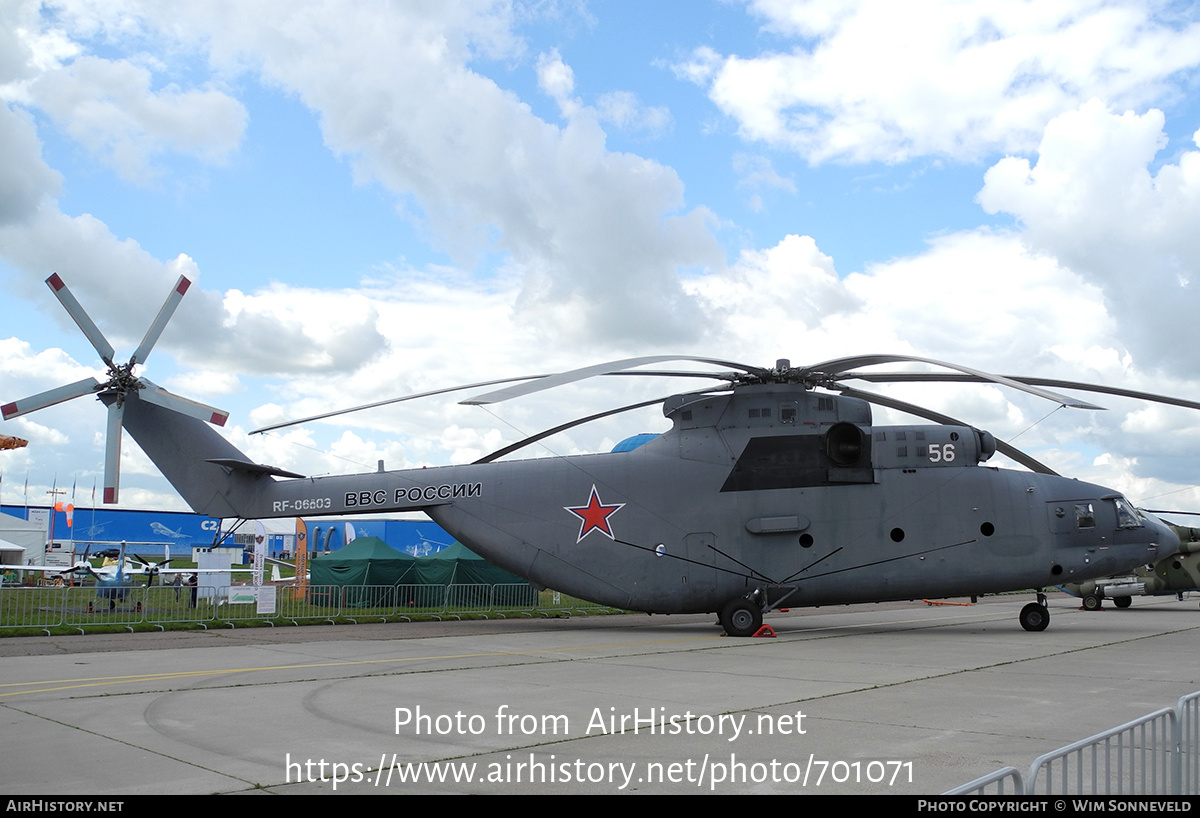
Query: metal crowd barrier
[1157,754]
[1132,759]
[556,602]
[82,607]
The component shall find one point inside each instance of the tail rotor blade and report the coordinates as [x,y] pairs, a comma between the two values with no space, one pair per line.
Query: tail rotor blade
[75,310]
[160,323]
[155,394]
[49,398]
[112,452]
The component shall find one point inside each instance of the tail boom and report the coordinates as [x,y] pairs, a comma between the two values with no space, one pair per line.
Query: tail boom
[215,478]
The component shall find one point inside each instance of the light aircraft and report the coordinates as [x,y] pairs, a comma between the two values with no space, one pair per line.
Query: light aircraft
[771,489]
[116,576]
[1176,575]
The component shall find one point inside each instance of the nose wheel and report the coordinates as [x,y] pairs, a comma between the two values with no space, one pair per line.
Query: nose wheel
[1035,616]
[741,617]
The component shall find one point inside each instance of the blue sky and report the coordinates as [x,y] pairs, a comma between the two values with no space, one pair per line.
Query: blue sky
[377,199]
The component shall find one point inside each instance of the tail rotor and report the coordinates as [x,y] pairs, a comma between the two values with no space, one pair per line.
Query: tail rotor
[121,380]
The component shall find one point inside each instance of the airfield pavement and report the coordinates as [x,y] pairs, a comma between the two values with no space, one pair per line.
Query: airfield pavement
[944,694]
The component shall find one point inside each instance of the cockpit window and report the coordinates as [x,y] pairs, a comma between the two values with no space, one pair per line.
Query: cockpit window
[1085,517]
[1127,515]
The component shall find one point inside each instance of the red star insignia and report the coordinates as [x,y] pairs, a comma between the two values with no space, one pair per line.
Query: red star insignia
[594,515]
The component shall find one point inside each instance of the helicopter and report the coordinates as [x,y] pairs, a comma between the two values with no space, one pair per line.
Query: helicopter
[772,488]
[1177,574]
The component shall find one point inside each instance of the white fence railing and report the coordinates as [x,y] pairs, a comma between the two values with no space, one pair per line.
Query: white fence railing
[1157,754]
[47,607]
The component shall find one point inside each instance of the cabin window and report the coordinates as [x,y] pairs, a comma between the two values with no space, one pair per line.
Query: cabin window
[1127,515]
[1085,517]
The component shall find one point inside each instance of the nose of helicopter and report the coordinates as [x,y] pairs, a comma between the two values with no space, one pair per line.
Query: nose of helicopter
[1166,542]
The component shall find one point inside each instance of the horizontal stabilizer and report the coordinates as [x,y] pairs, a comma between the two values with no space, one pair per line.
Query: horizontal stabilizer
[252,468]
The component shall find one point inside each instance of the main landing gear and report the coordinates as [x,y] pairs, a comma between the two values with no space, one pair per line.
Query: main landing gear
[742,616]
[1091,602]
[1036,616]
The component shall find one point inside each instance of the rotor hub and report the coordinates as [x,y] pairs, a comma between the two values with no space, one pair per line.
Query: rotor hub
[121,380]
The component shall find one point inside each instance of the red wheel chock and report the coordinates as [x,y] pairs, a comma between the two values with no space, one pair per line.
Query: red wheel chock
[764,632]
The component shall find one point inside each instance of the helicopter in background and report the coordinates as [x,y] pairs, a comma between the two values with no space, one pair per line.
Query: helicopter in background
[1175,575]
[773,488]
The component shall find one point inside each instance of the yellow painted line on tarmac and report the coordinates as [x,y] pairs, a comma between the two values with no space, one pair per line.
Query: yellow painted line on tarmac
[71,684]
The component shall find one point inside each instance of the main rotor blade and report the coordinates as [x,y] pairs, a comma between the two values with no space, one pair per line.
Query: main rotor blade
[75,310]
[112,452]
[1012,452]
[915,377]
[49,398]
[838,367]
[153,393]
[675,373]
[520,444]
[609,368]
[728,376]
[160,322]
[444,391]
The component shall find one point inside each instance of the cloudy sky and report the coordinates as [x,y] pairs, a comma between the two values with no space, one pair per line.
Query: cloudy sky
[376,199]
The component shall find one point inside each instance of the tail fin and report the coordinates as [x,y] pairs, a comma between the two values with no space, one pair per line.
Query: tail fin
[183,448]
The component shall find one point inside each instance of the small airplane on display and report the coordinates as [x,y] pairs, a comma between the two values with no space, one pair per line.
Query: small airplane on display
[772,488]
[1175,575]
[118,573]
[114,578]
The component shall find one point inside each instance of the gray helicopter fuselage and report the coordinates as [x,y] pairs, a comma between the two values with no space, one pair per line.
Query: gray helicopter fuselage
[768,494]
[772,488]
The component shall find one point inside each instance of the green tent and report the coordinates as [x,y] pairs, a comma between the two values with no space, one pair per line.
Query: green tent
[458,565]
[472,578]
[365,561]
[369,561]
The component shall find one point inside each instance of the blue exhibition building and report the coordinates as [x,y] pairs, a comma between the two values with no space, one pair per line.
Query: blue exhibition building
[148,532]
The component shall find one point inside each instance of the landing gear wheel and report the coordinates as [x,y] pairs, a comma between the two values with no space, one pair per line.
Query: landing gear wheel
[1091,602]
[741,617]
[1035,617]
[1123,601]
